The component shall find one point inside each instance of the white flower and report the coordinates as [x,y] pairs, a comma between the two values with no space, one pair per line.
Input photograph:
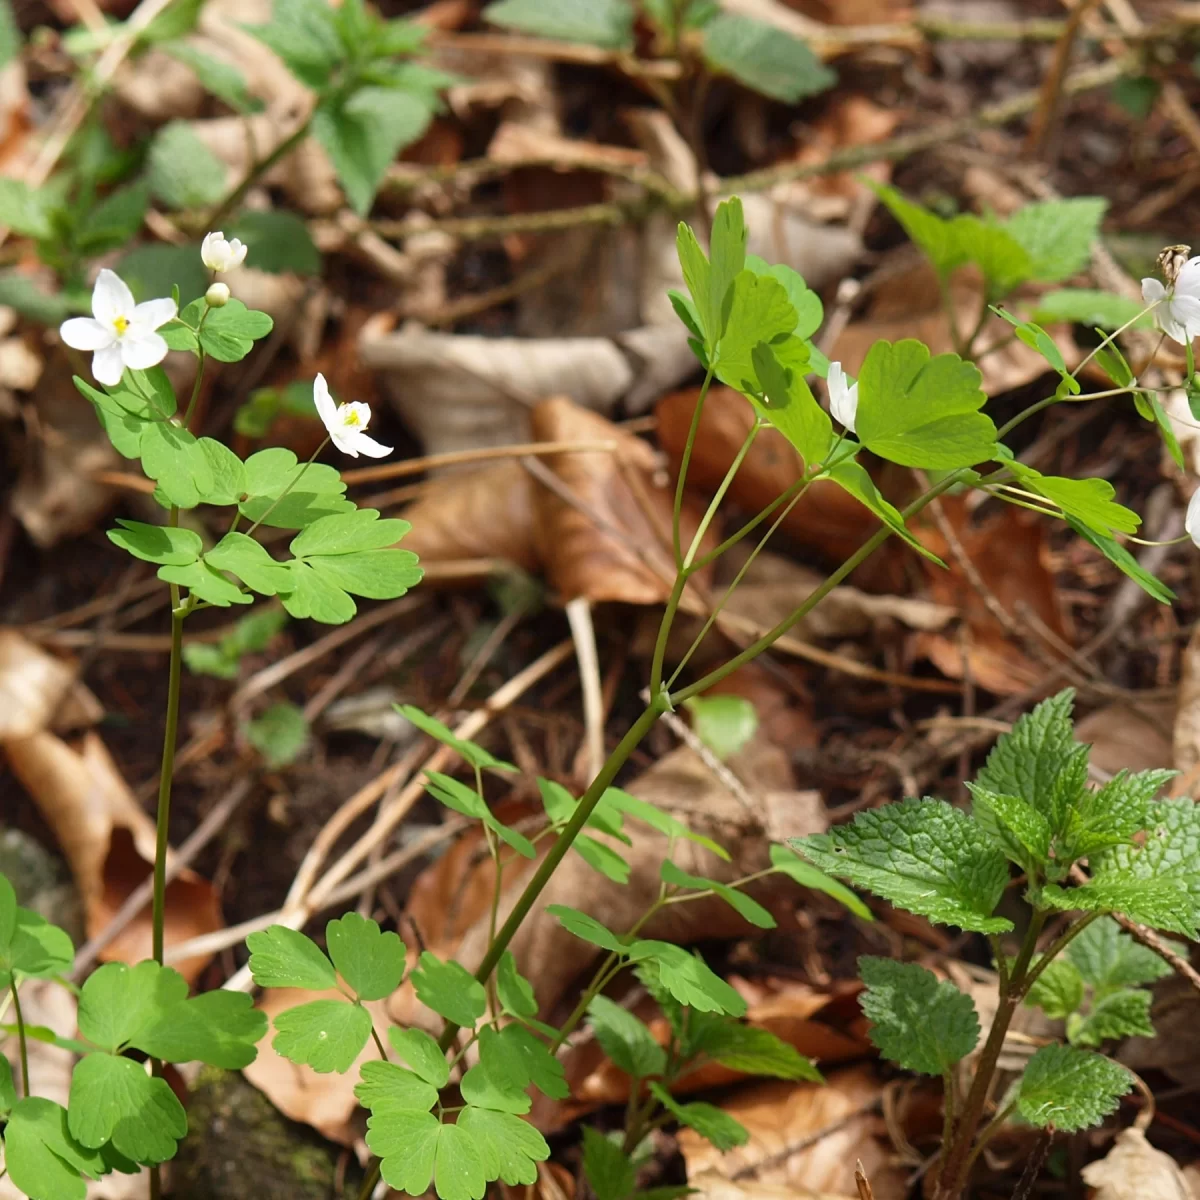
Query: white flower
[843,396]
[1178,307]
[347,423]
[119,332]
[1191,522]
[219,254]
[217,295]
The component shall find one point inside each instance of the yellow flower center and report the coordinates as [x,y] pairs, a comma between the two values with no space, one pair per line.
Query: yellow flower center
[120,324]
[351,418]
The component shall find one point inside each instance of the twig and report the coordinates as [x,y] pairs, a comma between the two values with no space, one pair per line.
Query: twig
[583,634]
[1152,941]
[431,462]
[862,1182]
[1046,113]
[1034,1164]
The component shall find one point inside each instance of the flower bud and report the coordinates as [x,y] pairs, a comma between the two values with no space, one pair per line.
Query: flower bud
[217,295]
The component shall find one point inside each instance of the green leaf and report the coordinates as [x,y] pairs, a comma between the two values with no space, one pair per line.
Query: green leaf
[115,1098]
[38,948]
[20,292]
[10,34]
[1089,306]
[177,19]
[1003,260]
[173,459]
[283,957]
[751,1049]
[759,312]
[26,211]
[789,863]
[205,584]
[918,1021]
[508,1148]
[157,543]
[42,1157]
[767,59]
[229,333]
[601,857]
[617,800]
[1121,1014]
[279,733]
[316,493]
[219,1028]
[1113,814]
[277,241]
[1036,338]
[117,1002]
[347,533]
[363,134]
[387,1087]
[1058,234]
[921,411]
[922,855]
[626,1039]
[688,978]
[221,78]
[476,755]
[375,574]
[1159,903]
[249,561]
[449,989]
[8,1091]
[514,990]
[810,312]
[727,258]
[706,1119]
[746,907]
[1058,990]
[1089,501]
[421,1053]
[369,960]
[1022,830]
[112,223]
[607,23]
[183,173]
[304,35]
[1107,958]
[937,238]
[537,1065]
[1125,562]
[790,405]
[853,477]
[229,475]
[313,596]
[609,1170]
[1070,1089]
[250,634]
[488,1086]
[587,928]
[153,270]
[327,1035]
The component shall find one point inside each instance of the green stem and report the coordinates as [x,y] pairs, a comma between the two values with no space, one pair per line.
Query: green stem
[371,1180]
[684,463]
[719,495]
[732,540]
[1055,949]
[227,206]
[191,408]
[16,999]
[1191,364]
[170,734]
[549,864]
[956,1161]
[379,1043]
[990,1130]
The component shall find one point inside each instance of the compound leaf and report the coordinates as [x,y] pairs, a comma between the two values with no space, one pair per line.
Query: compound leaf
[508,1148]
[369,960]
[327,1035]
[751,1049]
[688,978]
[114,1098]
[387,1087]
[283,957]
[421,1053]
[449,989]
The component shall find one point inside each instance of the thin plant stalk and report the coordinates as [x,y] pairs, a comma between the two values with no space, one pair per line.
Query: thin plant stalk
[21,1039]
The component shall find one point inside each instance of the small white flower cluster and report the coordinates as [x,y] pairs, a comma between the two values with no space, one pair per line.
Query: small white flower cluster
[121,333]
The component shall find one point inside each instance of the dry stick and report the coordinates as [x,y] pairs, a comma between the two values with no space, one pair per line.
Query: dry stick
[302,902]
[583,634]
[1046,113]
[140,897]
[431,462]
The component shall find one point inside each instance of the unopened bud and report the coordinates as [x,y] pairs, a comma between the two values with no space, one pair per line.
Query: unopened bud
[217,295]
[1171,260]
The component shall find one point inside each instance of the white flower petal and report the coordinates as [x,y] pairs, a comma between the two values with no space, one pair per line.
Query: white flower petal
[84,333]
[1170,326]
[213,250]
[1192,521]
[356,415]
[370,447]
[1153,290]
[111,298]
[143,350]
[1185,311]
[345,441]
[326,409]
[153,313]
[1187,282]
[108,365]
[237,252]
[843,397]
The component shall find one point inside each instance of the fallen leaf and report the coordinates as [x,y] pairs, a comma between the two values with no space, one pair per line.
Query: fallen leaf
[1127,738]
[786,1122]
[1134,1170]
[39,691]
[109,843]
[1175,1048]
[1187,716]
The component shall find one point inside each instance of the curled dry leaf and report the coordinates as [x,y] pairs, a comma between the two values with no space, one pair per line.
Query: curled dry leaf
[1133,739]
[39,691]
[833,1124]
[109,843]
[1134,1170]
[1175,1048]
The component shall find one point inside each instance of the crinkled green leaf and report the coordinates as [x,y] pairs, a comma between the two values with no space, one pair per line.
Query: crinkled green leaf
[1058,990]
[1070,1089]
[1005,263]
[449,989]
[609,1170]
[1120,1014]
[921,1022]
[1111,815]
[116,1098]
[922,855]
[1106,957]
[327,1035]
[304,35]
[767,59]
[219,77]
[626,1039]
[1159,903]
[1022,830]
[369,960]
[707,1120]
[283,957]
[1058,234]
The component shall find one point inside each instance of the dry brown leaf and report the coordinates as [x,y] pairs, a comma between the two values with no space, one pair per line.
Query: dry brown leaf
[1187,716]
[1125,738]
[324,1101]
[1175,1048]
[1134,1170]
[39,691]
[782,1116]
[109,843]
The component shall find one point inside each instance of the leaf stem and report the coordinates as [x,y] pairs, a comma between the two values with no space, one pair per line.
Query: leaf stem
[299,475]
[684,463]
[16,999]
[379,1043]
[371,1180]
[711,512]
[1054,950]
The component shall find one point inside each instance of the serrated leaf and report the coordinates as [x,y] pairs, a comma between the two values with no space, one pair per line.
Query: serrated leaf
[1022,830]
[327,1035]
[1124,562]
[609,1170]
[183,173]
[707,1120]
[746,907]
[1091,307]
[368,959]
[922,411]
[922,855]
[386,1087]
[114,222]
[508,1148]
[1108,958]
[449,989]
[42,1157]
[514,990]
[587,928]
[475,754]
[1159,903]
[220,1028]
[1120,1014]
[917,1020]
[277,241]
[688,978]
[304,35]
[753,1050]
[114,1098]
[229,333]
[767,59]
[626,1039]
[1058,234]
[157,543]
[1058,990]
[607,23]
[421,1053]
[789,863]
[1070,1089]
[1111,815]
[283,957]
[173,459]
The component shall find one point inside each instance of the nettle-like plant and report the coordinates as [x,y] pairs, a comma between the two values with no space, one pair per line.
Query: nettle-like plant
[447,1110]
